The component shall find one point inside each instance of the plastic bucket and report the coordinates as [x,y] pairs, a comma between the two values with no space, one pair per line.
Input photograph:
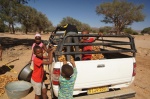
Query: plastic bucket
[17,89]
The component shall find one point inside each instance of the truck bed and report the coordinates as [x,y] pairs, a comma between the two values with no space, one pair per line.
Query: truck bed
[115,70]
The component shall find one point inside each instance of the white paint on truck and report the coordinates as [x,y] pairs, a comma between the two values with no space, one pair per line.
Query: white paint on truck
[94,73]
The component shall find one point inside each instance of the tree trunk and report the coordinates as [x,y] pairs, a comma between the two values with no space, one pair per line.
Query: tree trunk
[26,31]
[118,29]
[9,26]
[13,29]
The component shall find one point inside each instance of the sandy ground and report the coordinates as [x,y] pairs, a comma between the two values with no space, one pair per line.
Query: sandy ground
[20,46]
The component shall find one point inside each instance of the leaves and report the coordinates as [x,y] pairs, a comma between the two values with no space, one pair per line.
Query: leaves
[146,30]
[14,12]
[80,26]
[121,13]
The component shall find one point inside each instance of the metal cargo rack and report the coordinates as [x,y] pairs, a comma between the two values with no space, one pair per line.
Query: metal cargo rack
[56,38]
[110,44]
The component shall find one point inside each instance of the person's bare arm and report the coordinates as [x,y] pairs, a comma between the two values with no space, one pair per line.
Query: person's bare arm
[50,57]
[45,57]
[100,35]
[44,47]
[48,50]
[81,41]
[73,63]
[64,62]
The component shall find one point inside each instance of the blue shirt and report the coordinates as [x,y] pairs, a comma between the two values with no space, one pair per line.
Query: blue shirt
[66,86]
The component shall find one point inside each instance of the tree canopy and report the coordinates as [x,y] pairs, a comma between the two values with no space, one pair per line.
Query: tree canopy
[146,30]
[130,31]
[32,20]
[120,13]
[8,10]
[105,29]
[80,26]
[13,12]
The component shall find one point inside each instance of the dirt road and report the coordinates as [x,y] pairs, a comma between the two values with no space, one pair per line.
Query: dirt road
[20,46]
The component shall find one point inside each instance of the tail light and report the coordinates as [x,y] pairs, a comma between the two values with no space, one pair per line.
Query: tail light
[134,69]
[55,76]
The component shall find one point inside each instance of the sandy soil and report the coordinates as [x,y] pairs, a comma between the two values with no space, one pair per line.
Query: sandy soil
[20,46]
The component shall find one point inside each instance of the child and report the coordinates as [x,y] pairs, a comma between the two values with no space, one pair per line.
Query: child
[38,42]
[38,72]
[67,80]
[87,48]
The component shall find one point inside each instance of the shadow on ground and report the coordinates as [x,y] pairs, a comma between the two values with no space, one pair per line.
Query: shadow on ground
[8,42]
[5,68]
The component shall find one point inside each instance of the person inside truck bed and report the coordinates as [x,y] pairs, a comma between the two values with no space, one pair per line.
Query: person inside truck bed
[70,29]
[67,80]
[87,48]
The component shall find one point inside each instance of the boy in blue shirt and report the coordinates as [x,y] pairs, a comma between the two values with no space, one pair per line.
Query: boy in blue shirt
[67,80]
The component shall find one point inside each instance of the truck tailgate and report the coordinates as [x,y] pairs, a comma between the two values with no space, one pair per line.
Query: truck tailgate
[93,73]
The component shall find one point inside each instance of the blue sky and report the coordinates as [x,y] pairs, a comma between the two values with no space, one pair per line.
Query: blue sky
[84,11]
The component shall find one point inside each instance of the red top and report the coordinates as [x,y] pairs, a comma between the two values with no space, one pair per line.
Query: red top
[87,48]
[38,72]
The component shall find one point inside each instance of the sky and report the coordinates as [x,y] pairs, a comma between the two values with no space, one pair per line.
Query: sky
[84,11]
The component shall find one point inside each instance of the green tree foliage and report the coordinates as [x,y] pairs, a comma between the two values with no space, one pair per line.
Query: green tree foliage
[80,26]
[85,26]
[26,16]
[70,20]
[22,1]
[146,30]
[105,29]
[130,31]
[8,12]
[32,20]
[2,26]
[13,12]
[121,13]
[94,30]
[42,22]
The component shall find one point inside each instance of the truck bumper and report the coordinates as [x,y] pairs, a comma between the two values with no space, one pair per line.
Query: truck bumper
[123,93]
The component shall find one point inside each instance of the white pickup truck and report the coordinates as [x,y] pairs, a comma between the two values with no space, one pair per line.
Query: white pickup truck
[101,78]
